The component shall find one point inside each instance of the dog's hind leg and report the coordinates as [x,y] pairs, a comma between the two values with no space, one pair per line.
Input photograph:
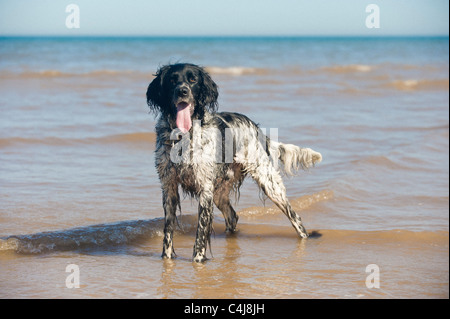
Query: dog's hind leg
[269,180]
[222,201]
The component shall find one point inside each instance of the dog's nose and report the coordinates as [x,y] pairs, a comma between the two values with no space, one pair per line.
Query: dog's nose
[183,91]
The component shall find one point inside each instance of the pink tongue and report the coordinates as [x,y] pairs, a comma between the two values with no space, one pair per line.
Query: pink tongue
[184,122]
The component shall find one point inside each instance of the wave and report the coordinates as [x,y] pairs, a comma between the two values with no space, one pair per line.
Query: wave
[386,236]
[104,236]
[101,235]
[382,71]
[350,68]
[139,137]
[45,74]
[292,70]
[60,74]
[298,204]
[127,138]
[444,127]
[415,85]
[236,70]
[378,161]
[214,70]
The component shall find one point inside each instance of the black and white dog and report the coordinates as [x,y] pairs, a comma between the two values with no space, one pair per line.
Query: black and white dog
[209,153]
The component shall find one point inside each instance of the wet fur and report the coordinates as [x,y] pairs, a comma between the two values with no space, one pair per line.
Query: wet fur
[203,168]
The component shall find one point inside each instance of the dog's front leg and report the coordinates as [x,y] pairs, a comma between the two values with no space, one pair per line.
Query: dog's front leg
[171,201]
[204,227]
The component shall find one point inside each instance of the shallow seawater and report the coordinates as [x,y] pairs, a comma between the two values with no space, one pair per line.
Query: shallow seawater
[78,183]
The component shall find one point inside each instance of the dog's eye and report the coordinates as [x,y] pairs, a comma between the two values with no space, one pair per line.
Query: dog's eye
[192,80]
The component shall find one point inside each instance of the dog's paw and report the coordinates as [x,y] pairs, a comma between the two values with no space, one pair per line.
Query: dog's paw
[167,255]
[199,258]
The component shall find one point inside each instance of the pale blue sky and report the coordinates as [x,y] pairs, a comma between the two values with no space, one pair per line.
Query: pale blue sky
[230,17]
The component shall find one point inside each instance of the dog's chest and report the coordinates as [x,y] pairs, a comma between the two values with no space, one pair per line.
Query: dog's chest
[187,178]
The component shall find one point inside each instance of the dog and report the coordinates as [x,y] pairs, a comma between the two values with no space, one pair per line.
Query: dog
[209,153]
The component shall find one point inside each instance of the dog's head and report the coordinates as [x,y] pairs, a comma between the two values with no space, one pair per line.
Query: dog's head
[182,92]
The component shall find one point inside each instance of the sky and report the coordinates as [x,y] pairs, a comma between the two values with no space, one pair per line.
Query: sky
[225,18]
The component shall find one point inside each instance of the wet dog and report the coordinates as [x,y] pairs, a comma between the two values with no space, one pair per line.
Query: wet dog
[209,153]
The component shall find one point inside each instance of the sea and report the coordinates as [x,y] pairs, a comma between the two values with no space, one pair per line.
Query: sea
[81,213]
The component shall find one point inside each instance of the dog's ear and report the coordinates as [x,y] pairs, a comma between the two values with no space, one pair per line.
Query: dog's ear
[209,92]
[155,93]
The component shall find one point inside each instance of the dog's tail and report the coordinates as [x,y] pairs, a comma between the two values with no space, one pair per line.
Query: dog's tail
[294,157]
